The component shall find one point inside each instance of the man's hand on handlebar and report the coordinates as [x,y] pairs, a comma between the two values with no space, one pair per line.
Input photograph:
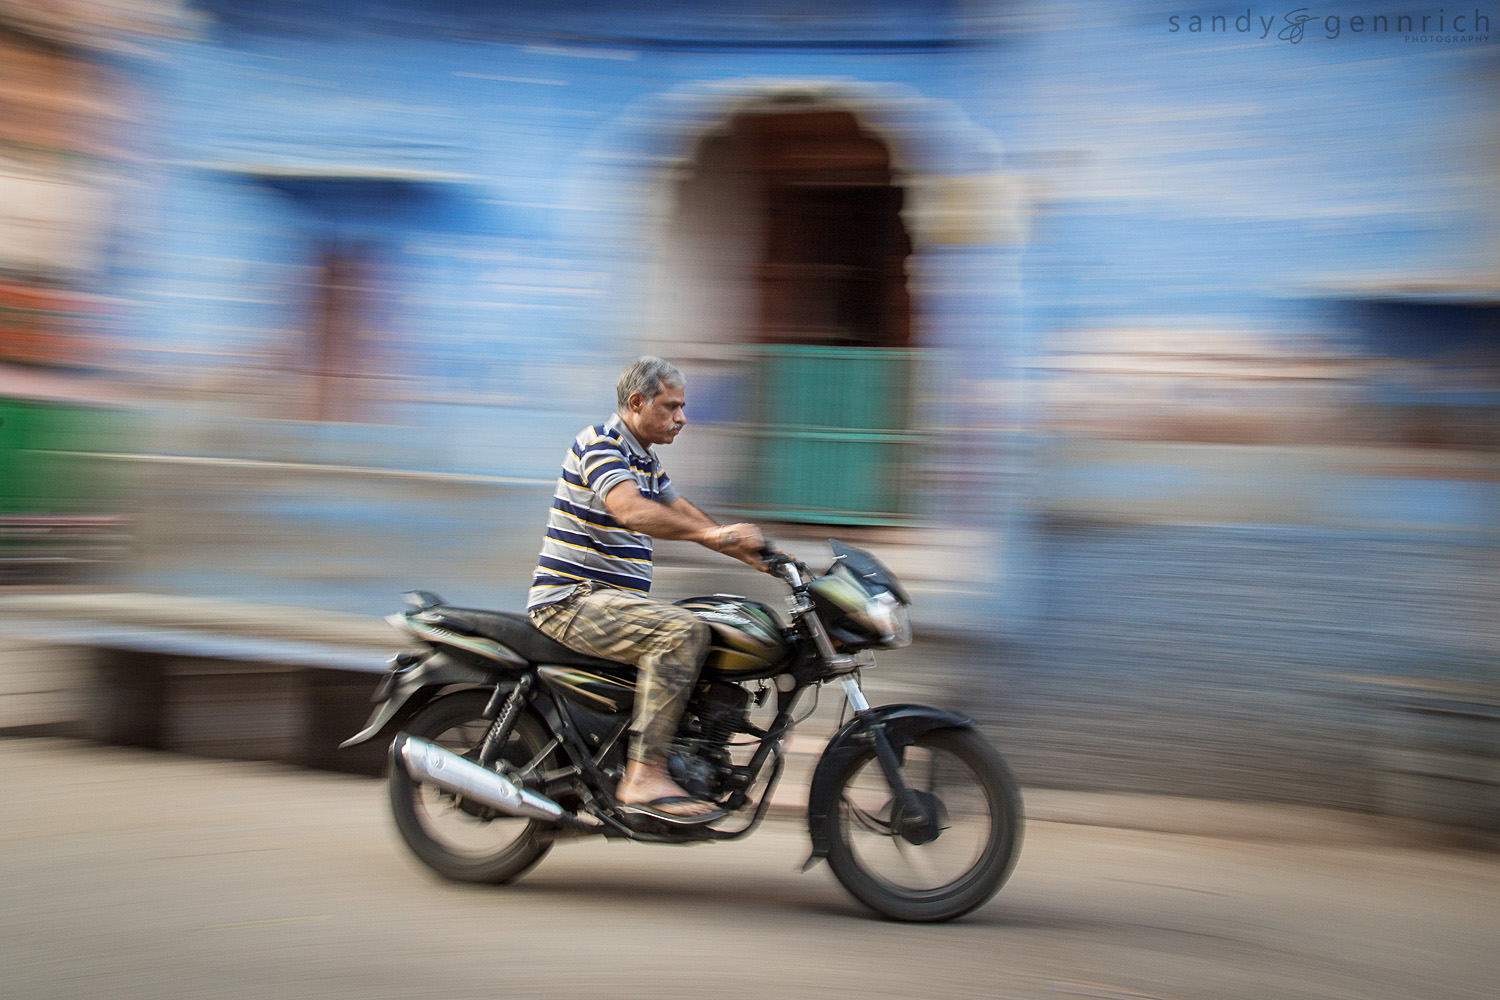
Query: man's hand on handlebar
[774,561]
[742,541]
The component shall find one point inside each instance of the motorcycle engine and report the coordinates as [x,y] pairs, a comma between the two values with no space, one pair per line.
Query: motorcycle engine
[700,762]
[696,776]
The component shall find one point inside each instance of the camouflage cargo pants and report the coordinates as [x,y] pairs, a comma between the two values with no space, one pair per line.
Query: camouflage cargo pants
[665,642]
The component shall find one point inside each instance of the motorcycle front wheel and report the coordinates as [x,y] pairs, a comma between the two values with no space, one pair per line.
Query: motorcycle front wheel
[457,839]
[954,860]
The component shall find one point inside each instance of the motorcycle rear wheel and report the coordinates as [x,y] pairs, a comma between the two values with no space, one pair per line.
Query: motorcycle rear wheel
[977,832]
[446,835]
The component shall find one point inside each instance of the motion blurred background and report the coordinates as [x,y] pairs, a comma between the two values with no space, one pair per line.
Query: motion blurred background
[1156,346]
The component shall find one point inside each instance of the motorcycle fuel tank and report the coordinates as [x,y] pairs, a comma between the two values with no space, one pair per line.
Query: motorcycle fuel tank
[747,636]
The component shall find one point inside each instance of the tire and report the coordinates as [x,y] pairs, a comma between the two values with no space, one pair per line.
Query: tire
[975,787]
[446,837]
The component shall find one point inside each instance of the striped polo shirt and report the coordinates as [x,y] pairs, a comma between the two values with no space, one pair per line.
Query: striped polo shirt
[583,541]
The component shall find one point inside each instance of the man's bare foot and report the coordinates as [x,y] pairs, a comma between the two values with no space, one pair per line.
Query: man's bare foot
[649,782]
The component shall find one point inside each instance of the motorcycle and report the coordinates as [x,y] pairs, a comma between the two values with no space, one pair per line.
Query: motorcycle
[507,742]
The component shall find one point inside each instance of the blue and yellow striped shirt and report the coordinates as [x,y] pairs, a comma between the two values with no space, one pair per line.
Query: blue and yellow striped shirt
[583,541]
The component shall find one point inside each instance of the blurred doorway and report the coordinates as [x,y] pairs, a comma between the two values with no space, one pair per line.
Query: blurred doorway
[831,429]
[340,359]
[337,314]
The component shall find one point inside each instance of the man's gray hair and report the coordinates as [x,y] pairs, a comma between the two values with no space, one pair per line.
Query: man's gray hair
[646,376]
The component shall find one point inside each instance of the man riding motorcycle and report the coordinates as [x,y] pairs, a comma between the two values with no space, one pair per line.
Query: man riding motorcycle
[594,572]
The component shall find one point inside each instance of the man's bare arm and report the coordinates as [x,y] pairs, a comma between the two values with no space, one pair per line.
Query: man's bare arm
[650,517]
[683,505]
[681,521]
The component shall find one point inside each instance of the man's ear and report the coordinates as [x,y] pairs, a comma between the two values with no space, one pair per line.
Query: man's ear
[636,402]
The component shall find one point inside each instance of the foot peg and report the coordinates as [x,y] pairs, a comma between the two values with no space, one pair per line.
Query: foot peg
[652,810]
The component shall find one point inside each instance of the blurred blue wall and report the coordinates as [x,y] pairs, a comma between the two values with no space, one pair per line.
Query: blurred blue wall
[1211,314]
[1086,166]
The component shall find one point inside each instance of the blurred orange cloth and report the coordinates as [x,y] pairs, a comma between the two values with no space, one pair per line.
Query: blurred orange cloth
[42,325]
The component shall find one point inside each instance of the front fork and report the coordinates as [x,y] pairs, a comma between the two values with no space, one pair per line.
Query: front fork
[912,811]
[890,764]
[909,806]
[855,694]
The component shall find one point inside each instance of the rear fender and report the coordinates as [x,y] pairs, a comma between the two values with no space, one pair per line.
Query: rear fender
[903,725]
[417,684]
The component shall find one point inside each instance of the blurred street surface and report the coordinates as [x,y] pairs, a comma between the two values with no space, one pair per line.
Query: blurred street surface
[132,874]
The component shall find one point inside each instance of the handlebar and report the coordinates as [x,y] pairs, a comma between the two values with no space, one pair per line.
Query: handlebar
[775,560]
[771,554]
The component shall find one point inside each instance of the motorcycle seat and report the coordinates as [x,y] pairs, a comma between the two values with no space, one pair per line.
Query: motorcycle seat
[516,632]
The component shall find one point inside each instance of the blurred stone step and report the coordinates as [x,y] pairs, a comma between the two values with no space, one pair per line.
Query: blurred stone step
[69,611]
[1447,788]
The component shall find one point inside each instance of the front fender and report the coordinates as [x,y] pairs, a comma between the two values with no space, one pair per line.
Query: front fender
[903,725]
[437,671]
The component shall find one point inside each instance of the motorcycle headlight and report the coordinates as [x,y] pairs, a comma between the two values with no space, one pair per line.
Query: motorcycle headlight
[873,613]
[890,620]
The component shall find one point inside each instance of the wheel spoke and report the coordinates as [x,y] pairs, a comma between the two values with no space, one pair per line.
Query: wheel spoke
[871,821]
[528,771]
[458,838]
[890,857]
[444,817]
[918,861]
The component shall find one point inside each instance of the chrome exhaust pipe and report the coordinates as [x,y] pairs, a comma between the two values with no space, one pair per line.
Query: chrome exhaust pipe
[426,761]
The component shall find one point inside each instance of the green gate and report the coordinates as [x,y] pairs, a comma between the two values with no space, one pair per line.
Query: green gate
[60,503]
[832,440]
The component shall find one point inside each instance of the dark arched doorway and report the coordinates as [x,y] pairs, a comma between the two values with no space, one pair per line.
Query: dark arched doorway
[831,333]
